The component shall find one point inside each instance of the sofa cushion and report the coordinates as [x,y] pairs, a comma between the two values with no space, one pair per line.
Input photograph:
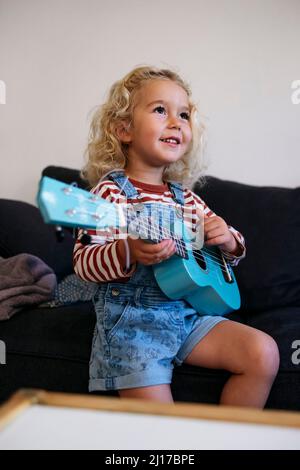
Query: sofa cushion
[58,333]
[22,230]
[48,348]
[269,219]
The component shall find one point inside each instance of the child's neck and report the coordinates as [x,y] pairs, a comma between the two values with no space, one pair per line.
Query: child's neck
[148,177]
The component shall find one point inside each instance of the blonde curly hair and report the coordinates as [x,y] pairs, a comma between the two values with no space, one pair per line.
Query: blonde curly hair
[105,151]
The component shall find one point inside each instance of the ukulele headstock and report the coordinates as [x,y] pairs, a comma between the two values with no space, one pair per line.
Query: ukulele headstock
[68,205]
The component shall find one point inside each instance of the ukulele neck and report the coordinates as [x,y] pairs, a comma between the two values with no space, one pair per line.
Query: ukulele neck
[148,229]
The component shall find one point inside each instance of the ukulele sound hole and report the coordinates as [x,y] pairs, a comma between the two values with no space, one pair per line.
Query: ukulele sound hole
[200,259]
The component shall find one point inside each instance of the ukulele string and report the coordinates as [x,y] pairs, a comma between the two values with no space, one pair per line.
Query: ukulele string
[210,256]
[95,199]
[158,232]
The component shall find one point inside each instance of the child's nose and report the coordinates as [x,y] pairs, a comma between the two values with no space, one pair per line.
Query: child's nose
[175,123]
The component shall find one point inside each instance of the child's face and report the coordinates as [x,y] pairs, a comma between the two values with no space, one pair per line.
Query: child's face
[152,122]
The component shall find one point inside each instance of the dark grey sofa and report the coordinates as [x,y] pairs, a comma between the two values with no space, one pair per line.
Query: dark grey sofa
[50,348]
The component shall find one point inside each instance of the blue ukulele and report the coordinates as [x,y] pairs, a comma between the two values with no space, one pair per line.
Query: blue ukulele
[201,277]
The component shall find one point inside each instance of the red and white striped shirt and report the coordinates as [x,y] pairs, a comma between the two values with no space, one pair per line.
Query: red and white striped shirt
[100,261]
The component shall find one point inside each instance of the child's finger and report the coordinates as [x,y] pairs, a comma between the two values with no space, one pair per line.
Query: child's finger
[165,253]
[163,245]
[215,232]
[167,248]
[153,249]
[215,241]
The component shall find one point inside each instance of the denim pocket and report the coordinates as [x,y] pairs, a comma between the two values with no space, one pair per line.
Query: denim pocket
[115,316]
[167,314]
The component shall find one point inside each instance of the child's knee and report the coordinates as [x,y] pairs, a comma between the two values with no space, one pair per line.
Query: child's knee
[264,356]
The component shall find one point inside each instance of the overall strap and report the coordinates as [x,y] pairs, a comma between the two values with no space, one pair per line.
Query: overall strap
[177,191]
[119,177]
[121,180]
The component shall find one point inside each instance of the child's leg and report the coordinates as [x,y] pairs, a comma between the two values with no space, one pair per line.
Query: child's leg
[160,393]
[251,355]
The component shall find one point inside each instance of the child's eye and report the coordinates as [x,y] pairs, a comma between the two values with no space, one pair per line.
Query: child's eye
[159,107]
[185,116]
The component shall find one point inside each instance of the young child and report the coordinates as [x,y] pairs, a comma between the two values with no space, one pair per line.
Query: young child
[143,152]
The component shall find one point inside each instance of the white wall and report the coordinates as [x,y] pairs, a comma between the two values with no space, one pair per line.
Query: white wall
[58,59]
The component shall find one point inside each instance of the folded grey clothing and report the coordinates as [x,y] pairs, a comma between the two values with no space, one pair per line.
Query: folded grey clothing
[71,290]
[25,280]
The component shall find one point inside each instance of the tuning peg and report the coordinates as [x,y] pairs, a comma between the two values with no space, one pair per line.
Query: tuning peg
[59,233]
[85,238]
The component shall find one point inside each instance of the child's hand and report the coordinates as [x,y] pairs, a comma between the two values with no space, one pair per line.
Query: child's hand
[216,232]
[148,253]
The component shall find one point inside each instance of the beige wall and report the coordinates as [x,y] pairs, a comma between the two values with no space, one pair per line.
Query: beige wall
[58,59]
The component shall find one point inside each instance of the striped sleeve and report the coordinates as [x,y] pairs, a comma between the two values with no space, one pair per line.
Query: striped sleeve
[100,260]
[233,260]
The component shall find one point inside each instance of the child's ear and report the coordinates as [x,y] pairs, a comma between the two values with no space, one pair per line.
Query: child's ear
[123,132]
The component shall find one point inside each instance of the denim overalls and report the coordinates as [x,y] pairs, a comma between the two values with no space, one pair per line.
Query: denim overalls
[140,334]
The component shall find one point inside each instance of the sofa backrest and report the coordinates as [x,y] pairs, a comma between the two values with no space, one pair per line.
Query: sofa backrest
[269,219]
[22,230]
